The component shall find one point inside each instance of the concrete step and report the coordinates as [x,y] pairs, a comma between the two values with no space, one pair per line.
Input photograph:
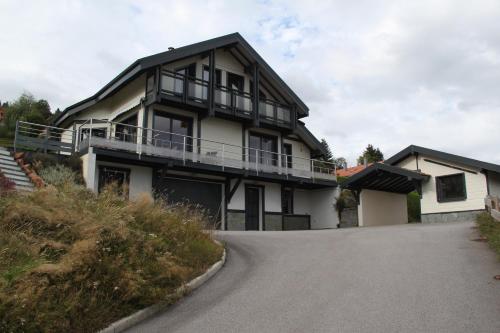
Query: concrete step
[5,152]
[8,172]
[22,183]
[10,161]
[17,177]
[10,167]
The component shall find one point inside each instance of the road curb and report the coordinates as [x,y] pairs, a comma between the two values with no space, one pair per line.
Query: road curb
[127,322]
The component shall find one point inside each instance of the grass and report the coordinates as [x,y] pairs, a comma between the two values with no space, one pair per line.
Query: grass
[72,261]
[490,229]
[6,142]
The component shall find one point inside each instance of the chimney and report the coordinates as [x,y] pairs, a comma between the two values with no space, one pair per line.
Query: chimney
[365,161]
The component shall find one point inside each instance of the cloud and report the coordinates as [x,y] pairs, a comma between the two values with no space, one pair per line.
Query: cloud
[389,73]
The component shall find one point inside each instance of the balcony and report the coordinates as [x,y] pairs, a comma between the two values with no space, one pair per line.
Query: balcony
[194,91]
[184,149]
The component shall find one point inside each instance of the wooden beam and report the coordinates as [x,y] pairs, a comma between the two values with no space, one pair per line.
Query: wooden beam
[211,83]
[256,89]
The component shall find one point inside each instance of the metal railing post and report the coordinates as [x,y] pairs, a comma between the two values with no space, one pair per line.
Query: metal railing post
[184,151]
[257,160]
[223,157]
[286,165]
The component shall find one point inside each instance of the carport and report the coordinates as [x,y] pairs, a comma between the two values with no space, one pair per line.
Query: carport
[381,192]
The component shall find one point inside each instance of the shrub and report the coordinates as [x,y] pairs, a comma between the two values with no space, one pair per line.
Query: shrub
[74,261]
[345,200]
[58,175]
[413,205]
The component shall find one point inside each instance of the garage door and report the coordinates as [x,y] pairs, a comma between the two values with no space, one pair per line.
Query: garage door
[206,194]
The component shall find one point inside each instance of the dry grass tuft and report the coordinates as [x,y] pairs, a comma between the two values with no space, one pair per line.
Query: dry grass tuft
[71,261]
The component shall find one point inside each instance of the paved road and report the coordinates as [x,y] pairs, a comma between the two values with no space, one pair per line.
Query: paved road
[411,278]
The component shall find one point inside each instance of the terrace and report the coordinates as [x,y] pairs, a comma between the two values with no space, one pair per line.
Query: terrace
[182,148]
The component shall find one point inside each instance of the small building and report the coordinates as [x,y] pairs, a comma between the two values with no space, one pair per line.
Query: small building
[451,187]
[457,185]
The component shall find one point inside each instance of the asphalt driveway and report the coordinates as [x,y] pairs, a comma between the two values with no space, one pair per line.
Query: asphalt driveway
[409,278]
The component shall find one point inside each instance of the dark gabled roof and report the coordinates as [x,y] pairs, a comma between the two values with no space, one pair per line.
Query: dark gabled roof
[143,64]
[464,161]
[384,177]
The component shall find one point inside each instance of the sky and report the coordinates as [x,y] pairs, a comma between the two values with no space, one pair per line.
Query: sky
[387,73]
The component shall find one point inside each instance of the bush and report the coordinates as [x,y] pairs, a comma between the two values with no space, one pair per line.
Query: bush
[413,204]
[58,175]
[345,200]
[73,261]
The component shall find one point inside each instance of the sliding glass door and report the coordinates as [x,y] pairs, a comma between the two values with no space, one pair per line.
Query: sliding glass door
[266,148]
[171,131]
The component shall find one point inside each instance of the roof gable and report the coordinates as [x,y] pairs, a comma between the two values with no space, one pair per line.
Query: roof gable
[245,52]
[465,161]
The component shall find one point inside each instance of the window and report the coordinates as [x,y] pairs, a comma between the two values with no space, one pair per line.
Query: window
[451,188]
[120,177]
[184,74]
[235,84]
[287,200]
[127,133]
[96,132]
[172,130]
[218,82]
[265,146]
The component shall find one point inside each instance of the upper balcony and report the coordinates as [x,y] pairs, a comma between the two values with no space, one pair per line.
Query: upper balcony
[186,150]
[194,91]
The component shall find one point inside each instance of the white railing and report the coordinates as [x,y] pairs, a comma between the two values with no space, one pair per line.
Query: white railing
[188,149]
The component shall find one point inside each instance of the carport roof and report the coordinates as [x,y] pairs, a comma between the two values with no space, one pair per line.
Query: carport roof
[388,178]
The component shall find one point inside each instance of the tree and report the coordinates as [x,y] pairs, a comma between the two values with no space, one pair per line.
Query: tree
[371,154]
[339,162]
[25,108]
[328,155]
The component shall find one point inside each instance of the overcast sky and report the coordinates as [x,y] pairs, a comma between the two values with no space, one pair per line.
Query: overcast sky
[389,73]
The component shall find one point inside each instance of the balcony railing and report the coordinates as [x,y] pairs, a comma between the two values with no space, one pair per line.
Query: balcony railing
[189,89]
[152,142]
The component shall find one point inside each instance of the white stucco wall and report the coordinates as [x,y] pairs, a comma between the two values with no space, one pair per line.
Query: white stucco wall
[224,131]
[301,154]
[319,204]
[128,97]
[378,208]
[475,183]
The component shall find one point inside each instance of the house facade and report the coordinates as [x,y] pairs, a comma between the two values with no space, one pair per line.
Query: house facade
[210,124]
[451,187]
[457,185]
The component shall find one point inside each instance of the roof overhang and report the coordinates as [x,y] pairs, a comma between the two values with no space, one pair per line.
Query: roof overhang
[446,157]
[387,178]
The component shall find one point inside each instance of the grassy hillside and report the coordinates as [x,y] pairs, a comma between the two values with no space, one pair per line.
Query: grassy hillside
[490,229]
[72,261]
